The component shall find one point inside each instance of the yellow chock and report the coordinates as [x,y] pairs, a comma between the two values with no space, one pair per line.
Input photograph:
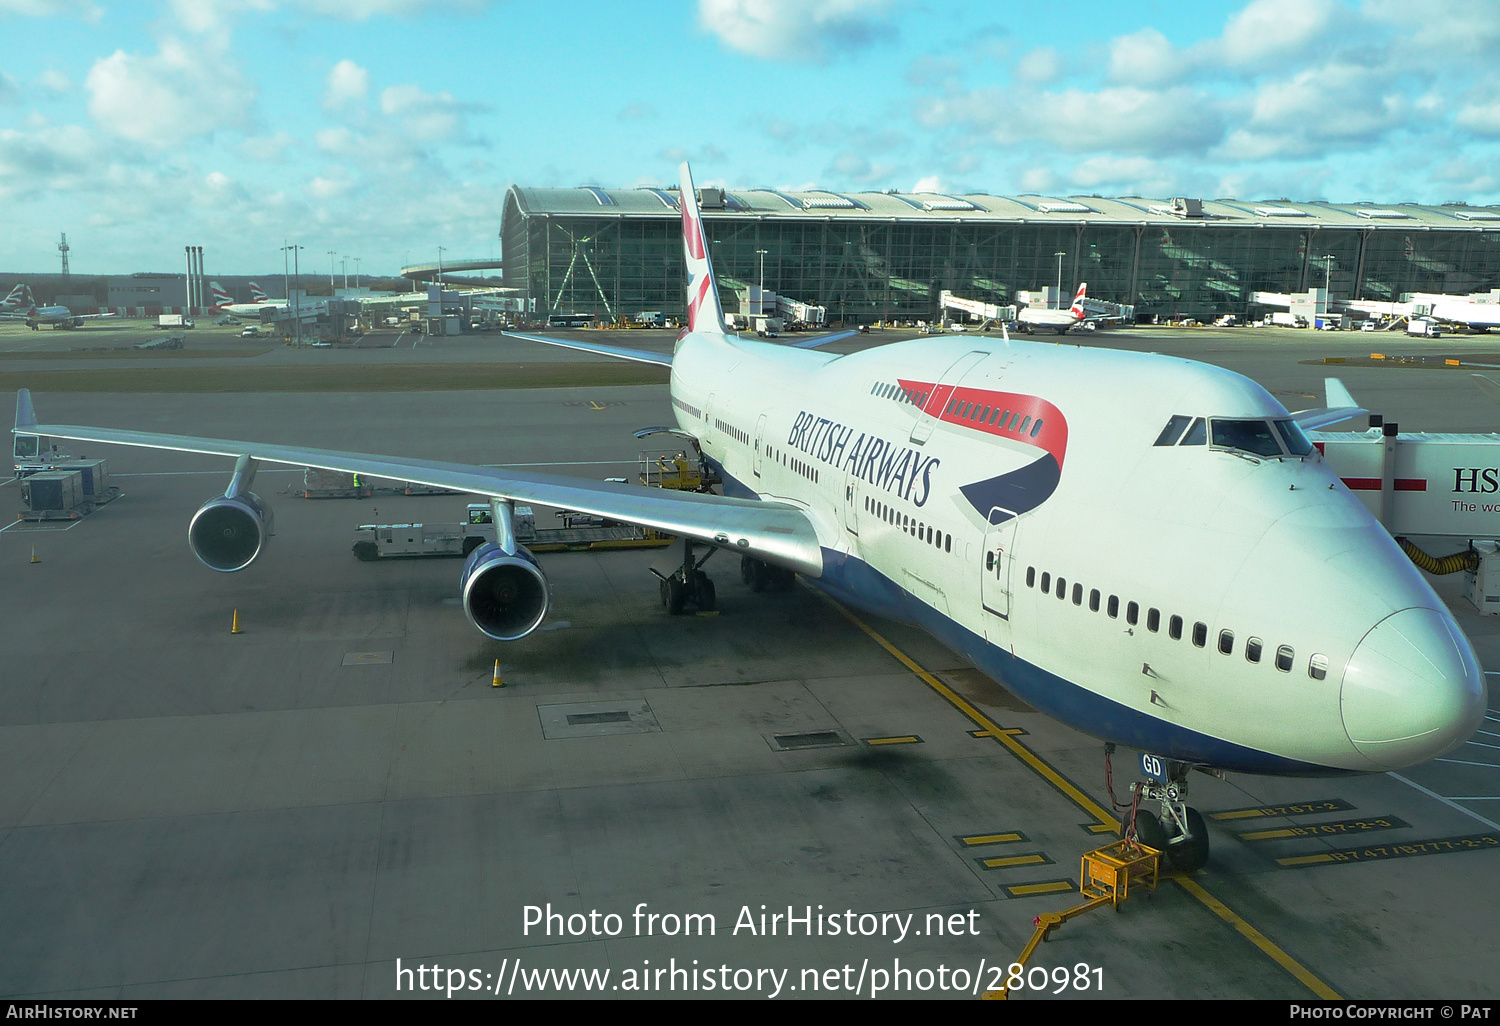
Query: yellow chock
[33,555]
[234,627]
[497,682]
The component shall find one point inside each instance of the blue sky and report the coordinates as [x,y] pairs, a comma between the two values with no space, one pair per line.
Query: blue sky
[383,129]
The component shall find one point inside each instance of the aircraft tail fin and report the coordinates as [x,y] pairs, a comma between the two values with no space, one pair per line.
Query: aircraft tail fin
[257,294]
[16,298]
[25,412]
[220,296]
[704,311]
[1077,308]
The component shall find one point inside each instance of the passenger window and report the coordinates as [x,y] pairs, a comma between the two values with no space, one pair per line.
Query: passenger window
[1252,649]
[1078,594]
[1172,431]
[1226,642]
[1062,587]
[1196,435]
[1284,658]
[1031,577]
[1132,613]
[1094,601]
[1174,628]
[1046,582]
[1153,620]
[1317,667]
[1114,606]
[1024,424]
[1037,427]
[947,543]
[1200,634]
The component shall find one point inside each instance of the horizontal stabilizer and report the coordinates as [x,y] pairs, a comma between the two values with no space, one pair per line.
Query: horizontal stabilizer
[822,340]
[1314,419]
[618,352]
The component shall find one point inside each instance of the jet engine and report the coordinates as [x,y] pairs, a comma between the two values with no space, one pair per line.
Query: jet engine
[504,594]
[230,530]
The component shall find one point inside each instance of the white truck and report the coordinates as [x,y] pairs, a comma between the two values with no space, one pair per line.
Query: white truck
[1284,319]
[173,321]
[1425,327]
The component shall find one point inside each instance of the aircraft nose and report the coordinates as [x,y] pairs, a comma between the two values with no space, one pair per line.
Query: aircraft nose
[1412,690]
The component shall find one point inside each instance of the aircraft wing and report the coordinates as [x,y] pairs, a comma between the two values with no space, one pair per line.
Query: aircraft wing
[618,352]
[821,340]
[772,531]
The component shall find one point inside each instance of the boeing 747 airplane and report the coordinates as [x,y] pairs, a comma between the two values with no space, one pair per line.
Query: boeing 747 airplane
[20,305]
[1147,548]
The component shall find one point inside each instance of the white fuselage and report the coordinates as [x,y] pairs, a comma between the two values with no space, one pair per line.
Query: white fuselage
[1058,320]
[956,513]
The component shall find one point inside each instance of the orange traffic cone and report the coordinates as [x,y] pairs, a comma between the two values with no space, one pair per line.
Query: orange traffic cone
[33,555]
[497,682]
[234,627]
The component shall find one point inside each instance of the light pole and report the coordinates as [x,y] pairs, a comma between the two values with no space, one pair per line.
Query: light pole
[440,264]
[356,271]
[331,256]
[344,268]
[1059,254]
[295,300]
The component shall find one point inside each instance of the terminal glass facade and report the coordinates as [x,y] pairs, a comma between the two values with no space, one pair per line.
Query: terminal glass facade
[606,267]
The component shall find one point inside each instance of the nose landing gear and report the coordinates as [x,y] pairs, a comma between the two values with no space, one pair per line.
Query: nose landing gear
[1179,832]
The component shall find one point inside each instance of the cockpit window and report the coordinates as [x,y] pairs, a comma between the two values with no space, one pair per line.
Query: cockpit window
[1196,435]
[1252,436]
[1296,442]
[1172,431]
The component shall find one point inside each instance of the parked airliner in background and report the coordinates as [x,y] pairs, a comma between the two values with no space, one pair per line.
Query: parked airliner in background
[223,302]
[20,305]
[1060,321]
[1146,548]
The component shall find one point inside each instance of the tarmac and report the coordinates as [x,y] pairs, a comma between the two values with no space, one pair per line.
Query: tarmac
[338,803]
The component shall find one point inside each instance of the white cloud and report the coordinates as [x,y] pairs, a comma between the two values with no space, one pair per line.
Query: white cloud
[928,183]
[163,99]
[1483,118]
[361,10]
[1452,26]
[795,29]
[1123,175]
[426,117]
[1271,31]
[10,89]
[1039,66]
[213,17]
[52,8]
[1145,58]
[347,83]
[54,81]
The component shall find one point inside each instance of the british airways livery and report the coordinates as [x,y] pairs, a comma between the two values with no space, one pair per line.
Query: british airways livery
[1147,548]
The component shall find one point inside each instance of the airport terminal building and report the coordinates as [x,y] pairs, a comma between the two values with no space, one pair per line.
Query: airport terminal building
[608,253]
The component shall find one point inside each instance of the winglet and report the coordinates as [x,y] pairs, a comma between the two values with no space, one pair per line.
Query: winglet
[25,412]
[704,311]
[1336,394]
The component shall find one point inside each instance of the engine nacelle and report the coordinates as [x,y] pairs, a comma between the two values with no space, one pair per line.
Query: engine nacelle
[504,595]
[229,531]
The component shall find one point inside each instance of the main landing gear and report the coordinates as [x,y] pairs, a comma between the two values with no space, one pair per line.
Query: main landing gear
[1179,833]
[761,576]
[688,585]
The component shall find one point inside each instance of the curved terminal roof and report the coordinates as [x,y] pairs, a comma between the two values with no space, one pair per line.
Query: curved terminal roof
[823,204]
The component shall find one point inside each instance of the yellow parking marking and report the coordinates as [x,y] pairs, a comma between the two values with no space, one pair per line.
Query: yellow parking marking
[1343,826]
[1031,890]
[1007,861]
[1105,822]
[909,739]
[1410,849]
[975,840]
[1012,731]
[1260,940]
[1311,808]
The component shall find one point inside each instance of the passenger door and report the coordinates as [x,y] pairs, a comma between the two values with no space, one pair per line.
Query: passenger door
[997,570]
